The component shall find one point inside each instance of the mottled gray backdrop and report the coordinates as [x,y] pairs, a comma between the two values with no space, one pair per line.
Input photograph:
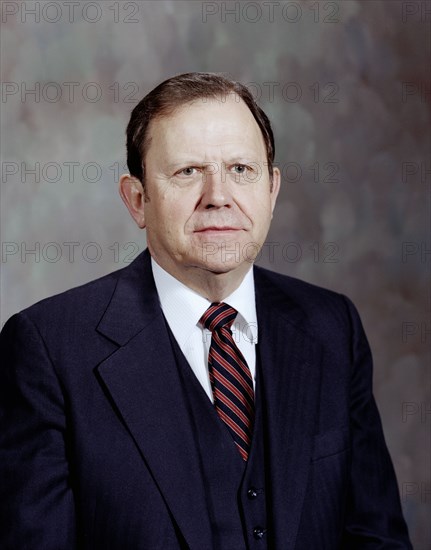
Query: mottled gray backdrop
[347,87]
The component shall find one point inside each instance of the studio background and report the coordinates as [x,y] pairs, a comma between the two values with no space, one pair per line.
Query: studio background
[347,88]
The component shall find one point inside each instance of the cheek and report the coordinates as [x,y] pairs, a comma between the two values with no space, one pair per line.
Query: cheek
[160,208]
[255,205]
[259,213]
[168,216]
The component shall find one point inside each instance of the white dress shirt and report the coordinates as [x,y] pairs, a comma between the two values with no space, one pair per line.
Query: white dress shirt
[183,307]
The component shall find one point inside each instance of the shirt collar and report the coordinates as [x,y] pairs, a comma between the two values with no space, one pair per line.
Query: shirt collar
[183,307]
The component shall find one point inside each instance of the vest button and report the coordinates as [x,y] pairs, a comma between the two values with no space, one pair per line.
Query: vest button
[259,533]
[252,493]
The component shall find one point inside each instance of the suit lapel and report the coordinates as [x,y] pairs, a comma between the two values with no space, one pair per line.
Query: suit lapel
[143,381]
[291,377]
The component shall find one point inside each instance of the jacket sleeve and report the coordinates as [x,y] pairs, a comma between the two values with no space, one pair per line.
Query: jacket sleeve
[374,518]
[36,502]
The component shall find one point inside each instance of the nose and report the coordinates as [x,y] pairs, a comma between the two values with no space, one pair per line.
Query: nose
[216,191]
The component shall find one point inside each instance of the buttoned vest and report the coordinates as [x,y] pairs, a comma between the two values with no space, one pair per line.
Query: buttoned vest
[235,493]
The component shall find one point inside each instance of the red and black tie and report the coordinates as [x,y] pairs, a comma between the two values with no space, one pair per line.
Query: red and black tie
[230,376]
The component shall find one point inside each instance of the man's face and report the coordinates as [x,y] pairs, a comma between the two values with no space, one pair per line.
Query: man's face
[210,199]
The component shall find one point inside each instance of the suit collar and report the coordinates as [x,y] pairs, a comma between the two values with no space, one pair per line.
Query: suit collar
[134,303]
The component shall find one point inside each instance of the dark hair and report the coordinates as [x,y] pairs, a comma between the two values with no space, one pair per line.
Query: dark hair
[176,91]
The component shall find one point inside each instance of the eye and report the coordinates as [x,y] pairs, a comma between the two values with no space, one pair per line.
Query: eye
[240,168]
[189,171]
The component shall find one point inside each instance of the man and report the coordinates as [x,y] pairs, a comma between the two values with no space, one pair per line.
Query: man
[191,400]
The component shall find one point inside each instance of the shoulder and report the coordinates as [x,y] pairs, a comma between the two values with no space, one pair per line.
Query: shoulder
[306,295]
[318,309]
[89,298]
[74,310]
[74,316]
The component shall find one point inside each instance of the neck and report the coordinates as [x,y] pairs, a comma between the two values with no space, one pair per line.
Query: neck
[213,286]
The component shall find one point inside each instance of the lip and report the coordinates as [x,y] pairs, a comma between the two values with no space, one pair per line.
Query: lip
[217,229]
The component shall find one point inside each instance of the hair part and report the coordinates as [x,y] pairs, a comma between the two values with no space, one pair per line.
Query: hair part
[180,90]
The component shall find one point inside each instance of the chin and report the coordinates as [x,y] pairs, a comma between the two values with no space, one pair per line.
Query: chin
[222,265]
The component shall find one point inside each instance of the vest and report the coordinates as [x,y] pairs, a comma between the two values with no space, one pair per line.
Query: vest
[234,490]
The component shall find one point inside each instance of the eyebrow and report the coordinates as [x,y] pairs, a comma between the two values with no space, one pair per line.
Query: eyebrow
[189,161]
[185,162]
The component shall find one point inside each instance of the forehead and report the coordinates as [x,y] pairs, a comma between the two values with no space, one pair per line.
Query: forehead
[208,124]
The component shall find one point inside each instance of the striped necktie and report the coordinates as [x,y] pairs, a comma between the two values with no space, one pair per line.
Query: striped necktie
[230,376]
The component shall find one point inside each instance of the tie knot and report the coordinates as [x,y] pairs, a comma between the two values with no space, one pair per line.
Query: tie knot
[218,315]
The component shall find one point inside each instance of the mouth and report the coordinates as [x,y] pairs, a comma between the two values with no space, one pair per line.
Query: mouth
[218,229]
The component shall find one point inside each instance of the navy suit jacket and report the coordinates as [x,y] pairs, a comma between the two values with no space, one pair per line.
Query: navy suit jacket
[96,446]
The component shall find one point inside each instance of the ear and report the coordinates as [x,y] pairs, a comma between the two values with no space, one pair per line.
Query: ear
[275,186]
[132,193]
